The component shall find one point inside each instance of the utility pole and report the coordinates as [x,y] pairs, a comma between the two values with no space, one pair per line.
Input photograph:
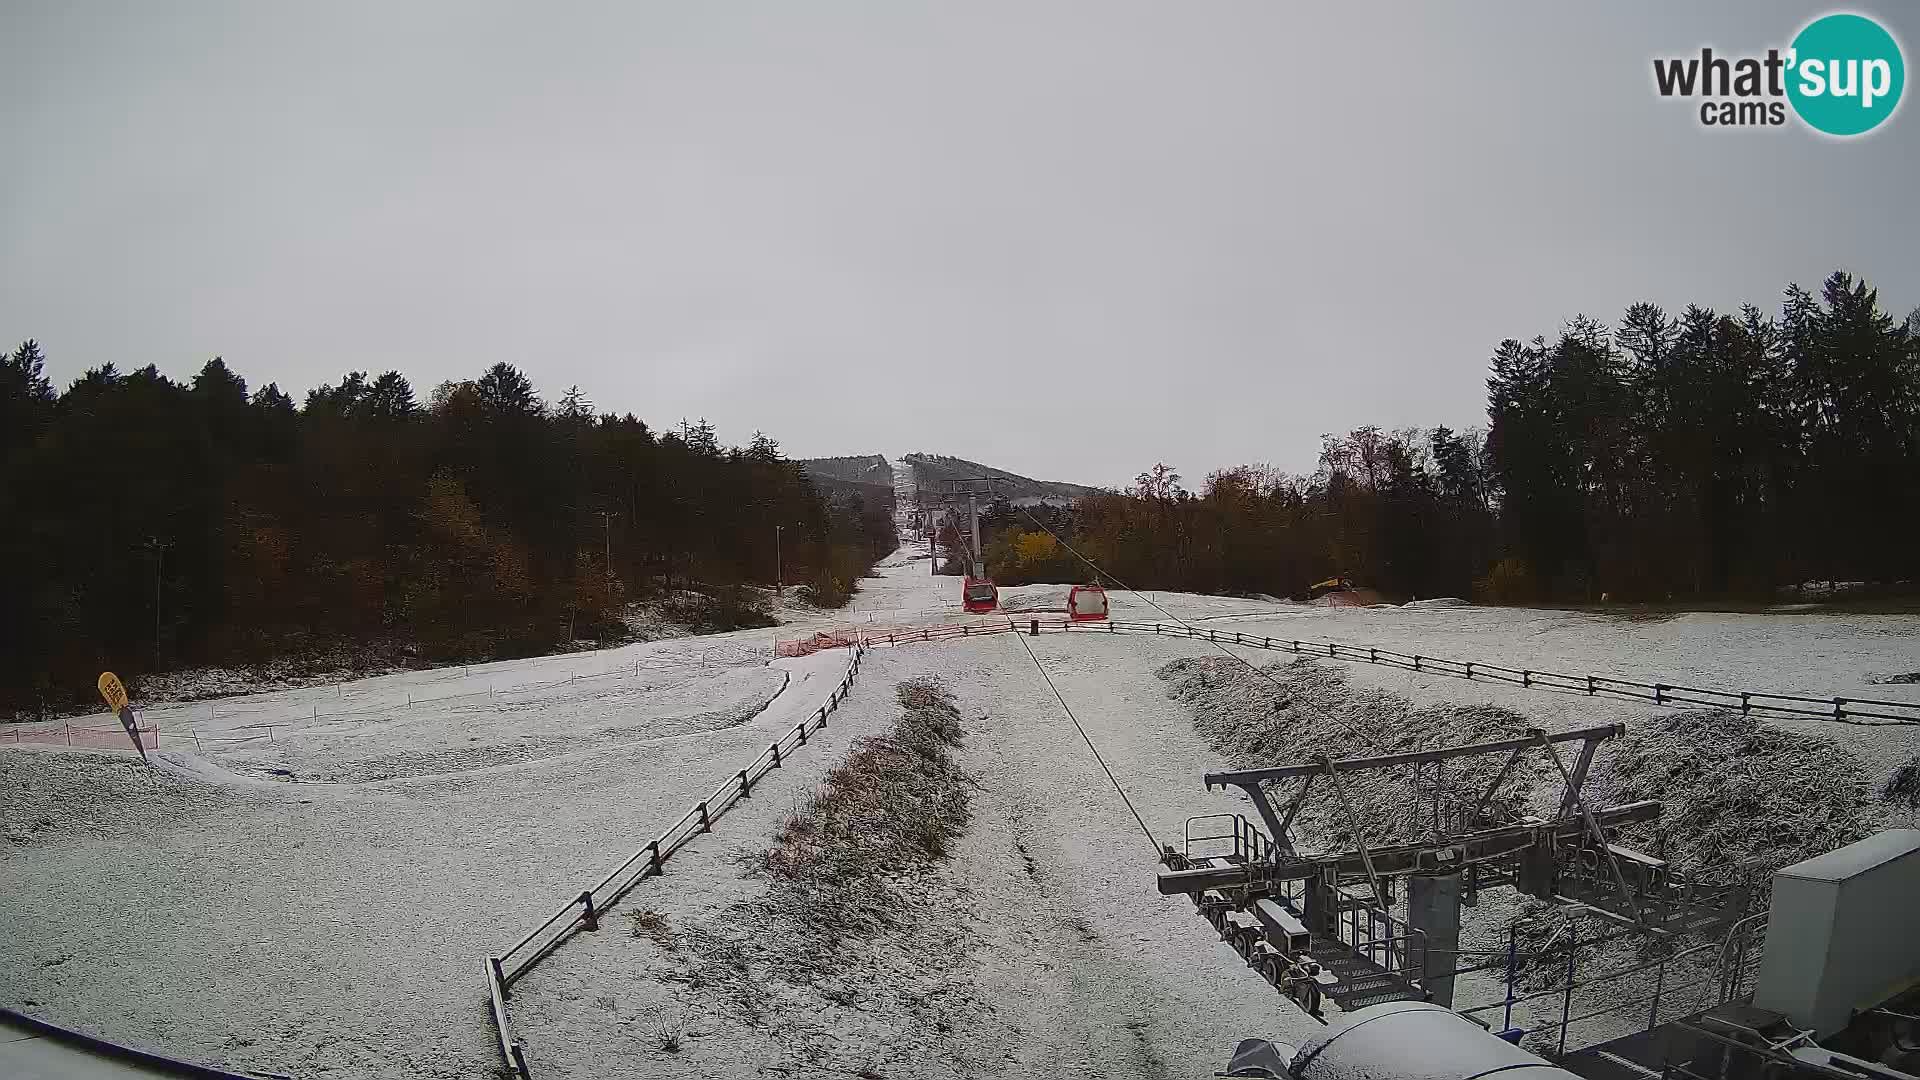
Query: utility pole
[779,569]
[607,518]
[159,549]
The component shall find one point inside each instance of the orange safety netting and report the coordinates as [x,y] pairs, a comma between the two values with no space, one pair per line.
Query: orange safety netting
[807,646]
[892,635]
[99,738]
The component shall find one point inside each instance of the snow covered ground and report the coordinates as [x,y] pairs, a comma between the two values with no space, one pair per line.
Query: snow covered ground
[316,901]
[1063,953]
[1817,655]
[309,888]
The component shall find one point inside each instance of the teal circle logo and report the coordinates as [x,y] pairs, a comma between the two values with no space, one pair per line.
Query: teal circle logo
[1846,74]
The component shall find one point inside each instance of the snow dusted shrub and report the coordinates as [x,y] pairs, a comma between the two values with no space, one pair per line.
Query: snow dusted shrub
[856,894]
[1739,793]
[1292,712]
[891,809]
[654,925]
[665,1035]
[1903,787]
[1509,582]
[722,608]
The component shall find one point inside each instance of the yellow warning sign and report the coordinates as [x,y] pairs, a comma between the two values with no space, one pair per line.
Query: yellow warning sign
[116,695]
[111,689]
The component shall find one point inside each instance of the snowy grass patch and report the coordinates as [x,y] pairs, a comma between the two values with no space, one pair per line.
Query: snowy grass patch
[858,915]
[892,808]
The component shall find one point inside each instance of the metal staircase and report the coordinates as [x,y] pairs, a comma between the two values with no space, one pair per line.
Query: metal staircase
[1364,962]
[1359,982]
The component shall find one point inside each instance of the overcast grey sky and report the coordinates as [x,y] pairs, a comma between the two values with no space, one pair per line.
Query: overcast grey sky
[1068,239]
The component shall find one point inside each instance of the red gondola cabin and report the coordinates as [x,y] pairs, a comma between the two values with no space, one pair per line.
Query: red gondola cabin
[1086,603]
[979,595]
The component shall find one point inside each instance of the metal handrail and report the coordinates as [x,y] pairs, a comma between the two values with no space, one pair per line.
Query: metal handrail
[1728,980]
[1550,991]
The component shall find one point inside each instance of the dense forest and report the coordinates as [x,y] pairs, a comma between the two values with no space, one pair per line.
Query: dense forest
[1691,457]
[151,524]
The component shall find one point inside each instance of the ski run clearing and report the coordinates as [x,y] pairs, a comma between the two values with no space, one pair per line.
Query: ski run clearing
[316,902]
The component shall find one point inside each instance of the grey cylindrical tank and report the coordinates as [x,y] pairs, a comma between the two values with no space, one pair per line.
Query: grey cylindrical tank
[1415,1040]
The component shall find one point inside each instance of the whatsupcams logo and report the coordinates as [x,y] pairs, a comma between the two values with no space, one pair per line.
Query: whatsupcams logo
[1842,76]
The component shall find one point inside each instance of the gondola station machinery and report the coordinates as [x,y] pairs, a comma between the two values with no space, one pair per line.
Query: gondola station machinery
[1837,993]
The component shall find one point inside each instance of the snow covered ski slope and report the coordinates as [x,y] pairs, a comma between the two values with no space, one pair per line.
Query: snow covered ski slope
[314,901]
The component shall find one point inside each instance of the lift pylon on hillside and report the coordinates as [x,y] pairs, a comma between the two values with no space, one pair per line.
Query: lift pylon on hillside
[978,593]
